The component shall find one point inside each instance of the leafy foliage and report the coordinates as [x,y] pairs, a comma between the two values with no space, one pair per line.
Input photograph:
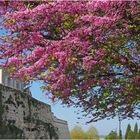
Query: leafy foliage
[136,130]
[131,135]
[92,133]
[86,52]
[127,131]
[78,133]
[120,134]
[112,135]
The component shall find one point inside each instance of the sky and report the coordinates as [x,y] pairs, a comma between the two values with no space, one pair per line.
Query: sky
[70,115]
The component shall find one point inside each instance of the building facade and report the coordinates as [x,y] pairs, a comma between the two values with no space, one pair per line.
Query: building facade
[14,83]
[7,81]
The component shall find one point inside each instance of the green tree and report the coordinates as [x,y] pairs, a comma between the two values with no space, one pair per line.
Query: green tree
[139,134]
[136,130]
[112,135]
[77,133]
[92,133]
[120,134]
[131,135]
[127,131]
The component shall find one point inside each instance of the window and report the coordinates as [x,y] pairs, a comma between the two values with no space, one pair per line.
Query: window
[21,86]
[17,86]
[5,80]
[14,83]
[9,81]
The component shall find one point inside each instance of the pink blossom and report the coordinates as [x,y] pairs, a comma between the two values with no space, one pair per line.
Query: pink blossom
[88,63]
[61,80]
[99,52]
[98,38]
[98,32]
[104,81]
[76,44]
[30,69]
[39,64]
[14,60]
[61,56]
[122,60]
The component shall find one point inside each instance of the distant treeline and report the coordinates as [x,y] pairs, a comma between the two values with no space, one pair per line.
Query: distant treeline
[129,134]
[78,133]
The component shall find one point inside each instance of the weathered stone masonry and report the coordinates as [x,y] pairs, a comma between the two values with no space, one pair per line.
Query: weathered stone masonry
[22,116]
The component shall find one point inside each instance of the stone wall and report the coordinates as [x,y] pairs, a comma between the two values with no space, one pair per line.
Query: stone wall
[22,116]
[62,126]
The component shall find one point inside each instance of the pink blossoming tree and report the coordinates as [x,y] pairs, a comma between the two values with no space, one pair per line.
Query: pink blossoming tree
[86,52]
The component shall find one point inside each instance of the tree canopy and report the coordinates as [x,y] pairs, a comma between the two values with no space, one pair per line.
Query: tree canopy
[92,133]
[112,136]
[128,129]
[86,52]
[136,129]
[78,133]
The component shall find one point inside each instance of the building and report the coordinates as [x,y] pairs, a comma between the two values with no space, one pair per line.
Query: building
[12,82]
[22,116]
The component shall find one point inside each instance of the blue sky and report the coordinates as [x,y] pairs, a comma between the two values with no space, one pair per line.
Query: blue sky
[70,115]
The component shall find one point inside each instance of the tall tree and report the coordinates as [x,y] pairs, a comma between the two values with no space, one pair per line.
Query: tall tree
[77,133]
[120,134]
[139,134]
[92,133]
[127,130]
[136,129]
[85,52]
[131,135]
[112,135]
